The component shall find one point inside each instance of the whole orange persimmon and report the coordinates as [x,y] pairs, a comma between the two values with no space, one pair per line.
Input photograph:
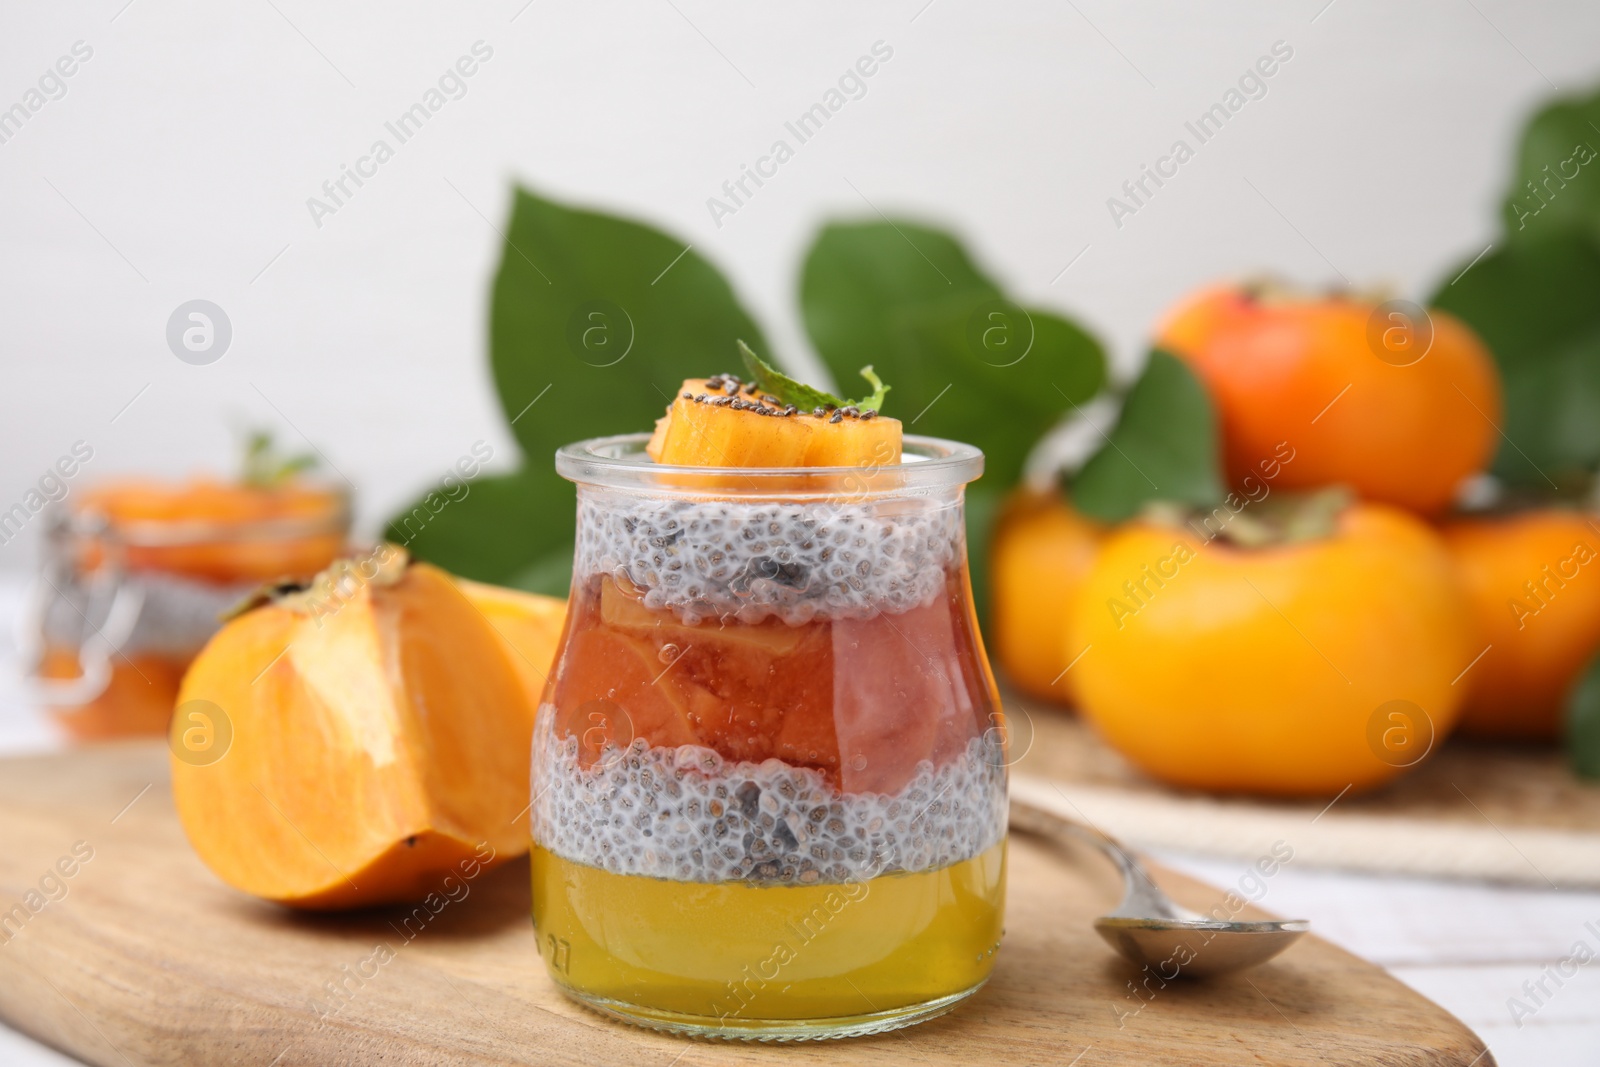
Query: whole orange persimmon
[1042,550]
[1397,406]
[1534,582]
[1298,668]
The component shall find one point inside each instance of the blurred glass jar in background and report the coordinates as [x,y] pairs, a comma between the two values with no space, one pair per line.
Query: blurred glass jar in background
[134,576]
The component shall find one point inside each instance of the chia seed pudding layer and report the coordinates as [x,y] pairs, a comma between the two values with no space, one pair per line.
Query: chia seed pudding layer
[747,561]
[688,815]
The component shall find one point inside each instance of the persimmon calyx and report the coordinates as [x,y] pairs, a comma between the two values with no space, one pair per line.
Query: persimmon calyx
[384,565]
[1272,290]
[1287,519]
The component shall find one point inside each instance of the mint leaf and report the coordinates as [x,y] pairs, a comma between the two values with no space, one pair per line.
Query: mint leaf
[265,467]
[873,402]
[1583,723]
[1163,448]
[773,381]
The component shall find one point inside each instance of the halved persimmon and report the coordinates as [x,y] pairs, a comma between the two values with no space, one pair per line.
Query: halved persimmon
[377,738]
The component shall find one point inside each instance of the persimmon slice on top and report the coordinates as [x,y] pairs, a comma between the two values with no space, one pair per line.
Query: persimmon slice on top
[769,420]
[720,422]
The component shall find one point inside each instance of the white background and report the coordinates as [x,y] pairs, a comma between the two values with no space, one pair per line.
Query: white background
[178,164]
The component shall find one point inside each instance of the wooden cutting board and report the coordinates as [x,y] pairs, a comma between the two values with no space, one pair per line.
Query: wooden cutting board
[1506,813]
[147,959]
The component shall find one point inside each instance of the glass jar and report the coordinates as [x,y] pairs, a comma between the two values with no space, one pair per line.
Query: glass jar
[769,766]
[133,580]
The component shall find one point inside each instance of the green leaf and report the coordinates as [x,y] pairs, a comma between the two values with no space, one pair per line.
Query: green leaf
[860,279]
[1163,448]
[1537,306]
[490,529]
[610,316]
[550,574]
[1555,185]
[983,502]
[966,362]
[1583,723]
[595,322]
[1534,301]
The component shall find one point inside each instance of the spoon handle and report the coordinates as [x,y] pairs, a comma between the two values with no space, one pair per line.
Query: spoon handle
[1029,814]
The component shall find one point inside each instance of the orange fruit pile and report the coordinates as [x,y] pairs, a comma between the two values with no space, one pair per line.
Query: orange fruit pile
[1251,650]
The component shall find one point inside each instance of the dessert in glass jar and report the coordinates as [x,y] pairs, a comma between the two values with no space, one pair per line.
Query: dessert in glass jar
[769,769]
[134,575]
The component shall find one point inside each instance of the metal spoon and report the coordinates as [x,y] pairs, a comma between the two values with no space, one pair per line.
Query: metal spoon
[1147,927]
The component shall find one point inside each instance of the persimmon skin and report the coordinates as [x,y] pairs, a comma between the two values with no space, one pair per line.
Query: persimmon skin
[1260,670]
[1539,639]
[1191,324]
[1305,372]
[1043,549]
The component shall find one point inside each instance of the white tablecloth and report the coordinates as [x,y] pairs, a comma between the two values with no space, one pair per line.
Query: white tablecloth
[1470,947]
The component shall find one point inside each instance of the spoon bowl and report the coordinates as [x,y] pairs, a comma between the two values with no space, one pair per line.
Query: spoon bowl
[1148,928]
[1198,948]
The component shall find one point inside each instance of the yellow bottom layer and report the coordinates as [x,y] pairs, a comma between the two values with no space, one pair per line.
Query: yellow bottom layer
[733,954]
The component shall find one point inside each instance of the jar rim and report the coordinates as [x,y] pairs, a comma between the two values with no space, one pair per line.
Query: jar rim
[619,462]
